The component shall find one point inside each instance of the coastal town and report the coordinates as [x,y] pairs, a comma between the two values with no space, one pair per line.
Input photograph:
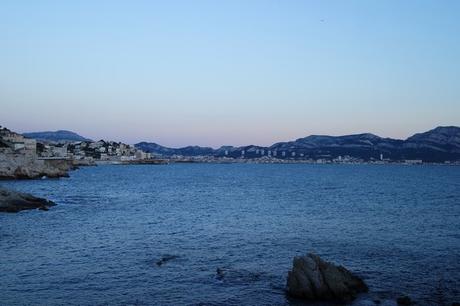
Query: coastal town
[82,152]
[22,157]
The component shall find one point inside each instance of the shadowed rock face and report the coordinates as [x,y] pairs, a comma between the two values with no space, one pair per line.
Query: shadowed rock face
[61,135]
[12,201]
[312,278]
[24,166]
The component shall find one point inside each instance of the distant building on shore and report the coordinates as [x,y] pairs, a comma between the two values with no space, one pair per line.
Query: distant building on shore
[142,155]
[413,161]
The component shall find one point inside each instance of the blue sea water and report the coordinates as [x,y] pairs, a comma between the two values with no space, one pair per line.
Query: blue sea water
[396,226]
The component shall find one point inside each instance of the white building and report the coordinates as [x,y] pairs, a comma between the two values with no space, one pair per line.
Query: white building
[59,151]
[142,155]
[413,161]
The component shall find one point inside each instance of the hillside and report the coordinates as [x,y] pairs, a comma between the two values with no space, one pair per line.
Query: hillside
[56,136]
[437,145]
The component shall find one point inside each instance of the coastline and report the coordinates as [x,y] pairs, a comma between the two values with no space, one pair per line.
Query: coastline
[223,160]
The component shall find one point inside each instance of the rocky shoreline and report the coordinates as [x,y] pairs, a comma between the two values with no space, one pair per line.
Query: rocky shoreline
[21,166]
[13,201]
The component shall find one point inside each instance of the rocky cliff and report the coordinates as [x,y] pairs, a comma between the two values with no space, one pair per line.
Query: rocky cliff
[23,166]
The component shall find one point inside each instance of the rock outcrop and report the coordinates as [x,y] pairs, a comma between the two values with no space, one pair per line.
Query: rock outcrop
[13,201]
[313,279]
[23,166]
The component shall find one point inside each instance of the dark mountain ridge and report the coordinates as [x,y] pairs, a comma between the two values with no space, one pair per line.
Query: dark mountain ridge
[437,145]
[56,136]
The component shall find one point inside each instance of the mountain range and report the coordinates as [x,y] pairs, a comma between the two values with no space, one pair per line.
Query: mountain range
[437,145]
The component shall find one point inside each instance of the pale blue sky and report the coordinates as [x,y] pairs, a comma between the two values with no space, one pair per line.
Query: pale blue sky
[229,72]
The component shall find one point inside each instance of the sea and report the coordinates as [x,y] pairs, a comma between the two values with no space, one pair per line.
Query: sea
[226,234]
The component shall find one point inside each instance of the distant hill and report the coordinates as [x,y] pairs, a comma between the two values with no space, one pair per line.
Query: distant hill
[437,145]
[165,151]
[444,137]
[56,136]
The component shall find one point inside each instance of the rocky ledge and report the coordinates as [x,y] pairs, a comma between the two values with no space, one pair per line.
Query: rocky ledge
[21,166]
[13,201]
[314,279]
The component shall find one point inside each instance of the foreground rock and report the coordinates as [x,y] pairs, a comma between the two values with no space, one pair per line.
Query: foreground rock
[13,201]
[313,279]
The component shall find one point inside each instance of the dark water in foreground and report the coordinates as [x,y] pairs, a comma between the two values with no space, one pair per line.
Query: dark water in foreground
[396,226]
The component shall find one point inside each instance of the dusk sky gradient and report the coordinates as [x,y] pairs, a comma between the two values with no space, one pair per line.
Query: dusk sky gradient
[229,72]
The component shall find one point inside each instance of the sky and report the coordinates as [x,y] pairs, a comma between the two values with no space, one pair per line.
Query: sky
[230,72]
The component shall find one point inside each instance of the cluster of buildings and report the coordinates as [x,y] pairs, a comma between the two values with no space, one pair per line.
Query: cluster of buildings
[89,152]
[266,159]
[285,158]
[82,152]
[13,143]
[109,151]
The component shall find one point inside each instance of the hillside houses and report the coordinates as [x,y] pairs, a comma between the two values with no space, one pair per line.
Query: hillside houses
[105,151]
[12,142]
[86,151]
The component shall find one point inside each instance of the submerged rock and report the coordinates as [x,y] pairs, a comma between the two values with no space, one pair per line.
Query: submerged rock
[165,259]
[13,201]
[236,276]
[220,273]
[312,278]
[404,300]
